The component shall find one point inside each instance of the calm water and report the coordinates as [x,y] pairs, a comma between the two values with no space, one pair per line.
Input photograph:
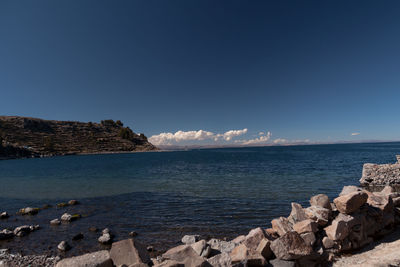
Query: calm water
[164,195]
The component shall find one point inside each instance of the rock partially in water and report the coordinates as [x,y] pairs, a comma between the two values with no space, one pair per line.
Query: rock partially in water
[96,259]
[63,246]
[28,211]
[106,237]
[133,234]
[4,215]
[73,202]
[23,230]
[66,217]
[55,222]
[62,205]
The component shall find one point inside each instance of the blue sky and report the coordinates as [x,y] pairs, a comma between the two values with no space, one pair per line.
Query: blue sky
[300,70]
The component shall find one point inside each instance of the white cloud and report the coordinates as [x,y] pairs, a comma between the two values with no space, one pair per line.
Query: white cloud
[263,139]
[233,133]
[261,133]
[353,134]
[280,141]
[200,135]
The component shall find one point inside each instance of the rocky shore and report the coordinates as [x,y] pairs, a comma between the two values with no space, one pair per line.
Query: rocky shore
[317,235]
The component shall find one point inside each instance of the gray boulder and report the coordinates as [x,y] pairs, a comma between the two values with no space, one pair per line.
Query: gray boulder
[290,247]
[128,252]
[190,239]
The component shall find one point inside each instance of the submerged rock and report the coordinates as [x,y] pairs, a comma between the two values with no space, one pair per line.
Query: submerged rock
[78,236]
[73,202]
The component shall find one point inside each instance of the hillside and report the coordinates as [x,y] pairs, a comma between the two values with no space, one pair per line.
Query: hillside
[31,137]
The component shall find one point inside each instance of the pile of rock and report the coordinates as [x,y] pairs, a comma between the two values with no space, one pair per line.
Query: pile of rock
[375,175]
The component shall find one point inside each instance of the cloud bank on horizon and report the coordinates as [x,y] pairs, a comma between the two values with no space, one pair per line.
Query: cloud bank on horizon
[203,137]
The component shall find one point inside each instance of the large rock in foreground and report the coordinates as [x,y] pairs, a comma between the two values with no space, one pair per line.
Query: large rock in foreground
[129,252]
[96,259]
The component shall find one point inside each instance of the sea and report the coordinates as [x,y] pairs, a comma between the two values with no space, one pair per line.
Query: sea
[163,196]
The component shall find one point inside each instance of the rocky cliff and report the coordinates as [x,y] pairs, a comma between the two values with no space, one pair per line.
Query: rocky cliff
[31,137]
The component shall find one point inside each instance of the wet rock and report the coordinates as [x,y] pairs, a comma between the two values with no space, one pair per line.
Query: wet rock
[4,215]
[222,246]
[254,238]
[55,222]
[349,189]
[95,259]
[6,234]
[185,254]
[320,200]
[318,214]
[309,238]
[150,248]
[129,251]
[281,225]
[93,229]
[297,214]
[29,211]
[22,230]
[63,246]
[290,246]
[78,237]
[190,239]
[351,202]
[282,263]
[73,202]
[264,248]
[220,260]
[306,226]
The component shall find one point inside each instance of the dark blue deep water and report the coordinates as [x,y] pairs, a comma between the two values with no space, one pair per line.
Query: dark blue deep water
[165,195]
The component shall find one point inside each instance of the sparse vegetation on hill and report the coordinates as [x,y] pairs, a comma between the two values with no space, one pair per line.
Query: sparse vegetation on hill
[31,137]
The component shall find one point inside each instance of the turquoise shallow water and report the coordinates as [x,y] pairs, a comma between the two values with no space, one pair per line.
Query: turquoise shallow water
[164,195]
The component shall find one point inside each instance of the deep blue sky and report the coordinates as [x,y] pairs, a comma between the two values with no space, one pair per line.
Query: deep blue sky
[317,70]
